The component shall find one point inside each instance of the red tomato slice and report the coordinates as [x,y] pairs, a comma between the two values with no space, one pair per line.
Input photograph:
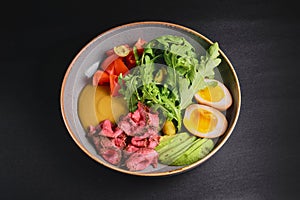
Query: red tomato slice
[130,60]
[120,67]
[114,86]
[108,61]
[110,69]
[100,77]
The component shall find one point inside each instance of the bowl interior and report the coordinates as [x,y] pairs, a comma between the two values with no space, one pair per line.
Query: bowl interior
[94,52]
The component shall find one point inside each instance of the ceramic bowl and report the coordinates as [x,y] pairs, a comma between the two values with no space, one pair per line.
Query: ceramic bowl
[94,52]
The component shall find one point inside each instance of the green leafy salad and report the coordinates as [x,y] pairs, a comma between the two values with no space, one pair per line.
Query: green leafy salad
[169,74]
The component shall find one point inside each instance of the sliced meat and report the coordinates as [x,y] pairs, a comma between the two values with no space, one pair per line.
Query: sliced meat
[135,116]
[146,133]
[120,141]
[132,141]
[129,149]
[138,142]
[139,122]
[153,120]
[119,132]
[127,125]
[139,44]
[104,142]
[141,159]
[94,138]
[107,129]
[153,141]
[112,155]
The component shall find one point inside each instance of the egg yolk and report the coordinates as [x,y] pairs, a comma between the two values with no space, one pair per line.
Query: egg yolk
[202,121]
[212,94]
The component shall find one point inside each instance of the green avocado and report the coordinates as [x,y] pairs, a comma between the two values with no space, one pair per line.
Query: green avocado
[163,141]
[169,156]
[196,152]
[171,142]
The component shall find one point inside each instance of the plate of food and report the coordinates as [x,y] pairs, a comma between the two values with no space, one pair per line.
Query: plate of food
[150,98]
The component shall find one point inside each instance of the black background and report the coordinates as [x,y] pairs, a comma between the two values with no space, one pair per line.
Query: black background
[38,158]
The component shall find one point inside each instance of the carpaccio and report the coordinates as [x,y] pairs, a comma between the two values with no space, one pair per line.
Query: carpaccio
[131,142]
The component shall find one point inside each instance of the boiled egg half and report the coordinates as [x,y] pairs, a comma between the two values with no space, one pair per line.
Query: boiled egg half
[217,96]
[204,121]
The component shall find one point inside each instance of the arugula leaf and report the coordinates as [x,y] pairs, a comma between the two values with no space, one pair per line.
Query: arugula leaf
[210,61]
[136,55]
[204,70]
[177,53]
[140,86]
[128,88]
[188,91]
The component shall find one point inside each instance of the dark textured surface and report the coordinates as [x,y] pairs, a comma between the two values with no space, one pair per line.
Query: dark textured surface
[38,158]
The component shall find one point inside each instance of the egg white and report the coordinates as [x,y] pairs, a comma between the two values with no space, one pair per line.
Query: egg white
[217,131]
[221,105]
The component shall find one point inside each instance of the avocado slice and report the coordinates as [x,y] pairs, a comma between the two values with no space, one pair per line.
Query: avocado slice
[172,142]
[163,141]
[196,152]
[169,156]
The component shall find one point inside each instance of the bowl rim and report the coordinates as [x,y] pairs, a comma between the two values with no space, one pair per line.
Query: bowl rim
[175,171]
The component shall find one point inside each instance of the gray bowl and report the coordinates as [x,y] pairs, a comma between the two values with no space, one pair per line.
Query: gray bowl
[94,52]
